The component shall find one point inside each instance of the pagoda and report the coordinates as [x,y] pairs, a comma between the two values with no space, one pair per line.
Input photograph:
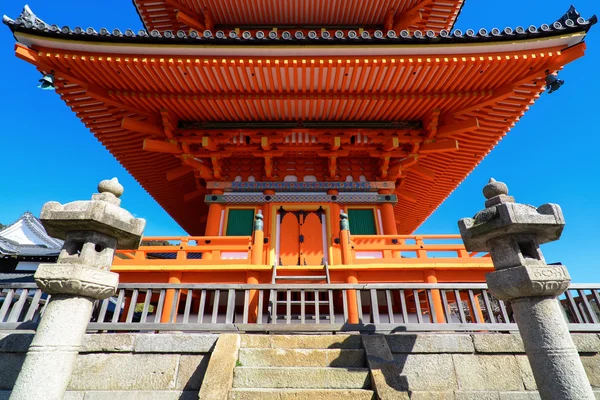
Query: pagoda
[299,141]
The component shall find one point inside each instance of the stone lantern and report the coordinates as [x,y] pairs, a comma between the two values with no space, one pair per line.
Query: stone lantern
[512,233]
[92,231]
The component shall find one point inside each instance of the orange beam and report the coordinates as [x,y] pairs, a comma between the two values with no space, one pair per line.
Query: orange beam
[442,146]
[135,125]
[178,172]
[423,172]
[410,16]
[159,146]
[192,195]
[209,144]
[406,195]
[467,125]
[190,21]
[205,171]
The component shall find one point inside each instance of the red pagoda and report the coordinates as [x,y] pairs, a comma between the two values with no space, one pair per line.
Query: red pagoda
[261,127]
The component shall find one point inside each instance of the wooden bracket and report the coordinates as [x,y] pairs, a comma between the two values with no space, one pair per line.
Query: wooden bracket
[134,125]
[209,144]
[178,172]
[441,146]
[160,146]
[449,130]
[205,171]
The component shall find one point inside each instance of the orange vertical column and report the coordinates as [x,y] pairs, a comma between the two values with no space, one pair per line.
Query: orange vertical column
[388,219]
[335,229]
[350,275]
[257,259]
[266,212]
[430,277]
[166,317]
[259,239]
[213,222]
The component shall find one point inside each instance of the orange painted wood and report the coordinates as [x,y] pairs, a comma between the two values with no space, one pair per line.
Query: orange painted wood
[430,14]
[289,240]
[170,297]
[311,249]
[495,88]
[160,146]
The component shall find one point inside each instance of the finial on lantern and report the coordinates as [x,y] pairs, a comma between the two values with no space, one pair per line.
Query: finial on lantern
[111,186]
[494,188]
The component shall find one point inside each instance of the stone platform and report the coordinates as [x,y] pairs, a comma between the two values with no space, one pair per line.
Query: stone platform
[425,366]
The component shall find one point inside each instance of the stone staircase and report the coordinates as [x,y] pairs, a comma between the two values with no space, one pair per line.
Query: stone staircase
[301,367]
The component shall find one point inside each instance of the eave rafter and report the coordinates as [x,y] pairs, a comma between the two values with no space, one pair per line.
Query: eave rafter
[195,20]
[402,20]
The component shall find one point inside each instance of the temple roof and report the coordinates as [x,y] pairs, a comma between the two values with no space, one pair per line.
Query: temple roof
[26,237]
[465,89]
[174,15]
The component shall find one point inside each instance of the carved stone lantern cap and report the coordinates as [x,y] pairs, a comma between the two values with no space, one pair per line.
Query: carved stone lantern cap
[494,188]
[503,217]
[102,214]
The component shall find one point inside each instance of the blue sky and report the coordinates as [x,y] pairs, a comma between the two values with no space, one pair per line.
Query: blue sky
[550,156]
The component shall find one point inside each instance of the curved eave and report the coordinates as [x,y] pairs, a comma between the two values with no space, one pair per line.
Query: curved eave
[99,86]
[201,46]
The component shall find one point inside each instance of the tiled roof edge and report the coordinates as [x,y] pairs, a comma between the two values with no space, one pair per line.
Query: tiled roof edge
[28,22]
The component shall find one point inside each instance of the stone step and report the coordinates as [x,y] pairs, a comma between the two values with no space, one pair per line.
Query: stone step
[302,341]
[301,378]
[300,394]
[302,358]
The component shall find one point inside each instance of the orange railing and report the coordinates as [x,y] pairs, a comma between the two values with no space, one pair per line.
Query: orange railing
[237,250]
[411,249]
[189,250]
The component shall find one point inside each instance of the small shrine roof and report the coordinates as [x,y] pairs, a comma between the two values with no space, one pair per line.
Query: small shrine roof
[174,15]
[26,237]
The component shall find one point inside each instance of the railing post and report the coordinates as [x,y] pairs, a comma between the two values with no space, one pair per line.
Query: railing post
[430,277]
[259,239]
[252,276]
[421,253]
[512,233]
[92,231]
[351,275]
[345,239]
[166,317]
[389,221]
[351,298]
[335,228]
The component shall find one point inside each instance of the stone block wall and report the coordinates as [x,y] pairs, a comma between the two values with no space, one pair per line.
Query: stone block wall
[476,367]
[123,366]
[169,366]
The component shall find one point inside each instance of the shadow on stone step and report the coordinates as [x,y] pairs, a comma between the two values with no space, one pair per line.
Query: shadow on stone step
[13,347]
[386,375]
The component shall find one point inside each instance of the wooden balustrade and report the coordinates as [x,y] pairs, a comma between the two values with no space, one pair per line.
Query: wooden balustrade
[188,250]
[412,249]
[389,307]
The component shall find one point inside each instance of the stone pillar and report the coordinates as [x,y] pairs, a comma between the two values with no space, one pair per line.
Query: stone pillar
[92,231]
[512,233]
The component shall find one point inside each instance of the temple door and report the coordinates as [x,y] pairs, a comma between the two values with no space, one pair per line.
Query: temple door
[289,239]
[311,239]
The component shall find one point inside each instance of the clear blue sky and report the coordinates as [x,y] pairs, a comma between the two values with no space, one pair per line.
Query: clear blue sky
[552,154]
